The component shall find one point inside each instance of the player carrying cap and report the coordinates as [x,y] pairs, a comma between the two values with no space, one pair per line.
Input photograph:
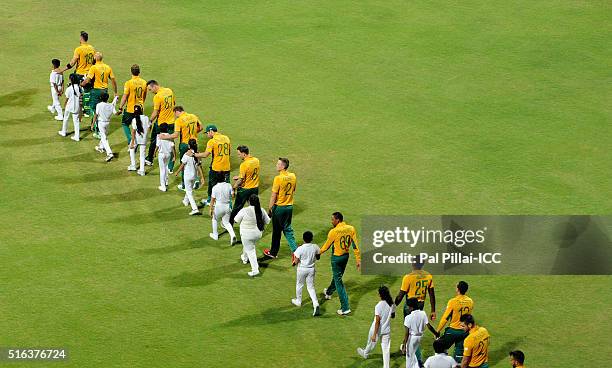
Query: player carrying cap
[83,58]
[219,147]
[186,127]
[164,101]
[341,238]
[456,307]
[100,73]
[280,207]
[134,94]
[475,345]
[246,182]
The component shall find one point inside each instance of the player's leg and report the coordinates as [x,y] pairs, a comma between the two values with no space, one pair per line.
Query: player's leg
[171,162]
[103,129]
[225,210]
[153,142]
[369,344]
[57,106]
[249,241]
[163,171]
[276,232]
[77,126]
[385,344]
[132,166]
[183,147]
[126,121]
[310,276]
[189,193]
[141,149]
[64,124]
[299,285]
[212,180]
[239,202]
[287,229]
[338,266]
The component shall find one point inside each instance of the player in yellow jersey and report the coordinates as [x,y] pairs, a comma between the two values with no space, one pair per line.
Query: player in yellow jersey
[459,305]
[134,94]
[246,182]
[280,208]
[83,59]
[219,146]
[517,359]
[99,73]
[341,239]
[186,127]
[164,101]
[475,345]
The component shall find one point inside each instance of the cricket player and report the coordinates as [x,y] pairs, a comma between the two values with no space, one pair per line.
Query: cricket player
[165,152]
[104,111]
[73,106]
[475,345]
[341,238]
[219,147]
[417,284]
[83,59]
[164,101]
[459,305]
[415,323]
[189,164]
[100,73]
[381,327]
[139,134]
[517,359]
[134,94]
[221,200]
[56,79]
[186,127]
[246,182]
[280,207]
[305,257]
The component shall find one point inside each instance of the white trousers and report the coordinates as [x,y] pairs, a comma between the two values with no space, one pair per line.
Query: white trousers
[222,211]
[163,159]
[385,344]
[103,127]
[188,199]
[141,148]
[412,345]
[249,240]
[75,121]
[56,102]
[306,275]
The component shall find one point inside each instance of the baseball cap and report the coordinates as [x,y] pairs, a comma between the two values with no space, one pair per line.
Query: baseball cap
[211,127]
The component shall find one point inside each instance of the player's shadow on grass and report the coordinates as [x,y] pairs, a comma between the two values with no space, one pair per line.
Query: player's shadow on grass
[174,213]
[40,118]
[266,317]
[28,142]
[501,353]
[356,290]
[90,178]
[194,244]
[208,276]
[134,195]
[375,360]
[18,98]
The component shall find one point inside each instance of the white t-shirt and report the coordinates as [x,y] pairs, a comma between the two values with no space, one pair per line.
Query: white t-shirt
[105,110]
[307,254]
[190,167]
[383,310]
[73,94]
[247,219]
[440,361]
[141,138]
[164,145]
[222,192]
[416,322]
[56,78]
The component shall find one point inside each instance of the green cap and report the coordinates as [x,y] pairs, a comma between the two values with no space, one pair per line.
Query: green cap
[211,127]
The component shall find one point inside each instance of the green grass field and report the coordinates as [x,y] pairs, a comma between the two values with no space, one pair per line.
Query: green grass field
[383,107]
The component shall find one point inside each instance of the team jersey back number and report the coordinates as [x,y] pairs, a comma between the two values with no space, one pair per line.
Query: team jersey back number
[464,310]
[223,149]
[168,102]
[255,174]
[191,129]
[483,347]
[102,77]
[139,91]
[421,288]
[289,189]
[89,58]
[345,242]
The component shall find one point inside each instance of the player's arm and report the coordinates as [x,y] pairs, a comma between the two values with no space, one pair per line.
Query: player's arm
[154,115]
[328,243]
[72,63]
[406,336]
[94,120]
[114,82]
[432,302]
[133,141]
[179,169]
[400,296]
[465,362]
[240,177]
[274,196]
[448,313]
[467,354]
[433,330]
[356,250]
[168,136]
[376,328]
[213,200]
[126,93]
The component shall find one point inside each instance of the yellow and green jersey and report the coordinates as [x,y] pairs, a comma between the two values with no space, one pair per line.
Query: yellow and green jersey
[187,125]
[85,58]
[249,172]
[219,146]
[416,284]
[100,72]
[284,186]
[341,238]
[135,90]
[476,346]
[456,307]
[163,102]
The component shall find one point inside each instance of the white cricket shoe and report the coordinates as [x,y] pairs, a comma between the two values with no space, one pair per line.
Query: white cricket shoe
[59,117]
[180,187]
[343,313]
[296,303]
[131,168]
[213,236]
[253,274]
[362,353]
[185,202]
[98,148]
[327,297]
[148,163]
[244,258]
[51,109]
[162,188]
[205,202]
[74,138]
[109,157]
[63,134]
[194,212]
[232,241]
[141,173]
